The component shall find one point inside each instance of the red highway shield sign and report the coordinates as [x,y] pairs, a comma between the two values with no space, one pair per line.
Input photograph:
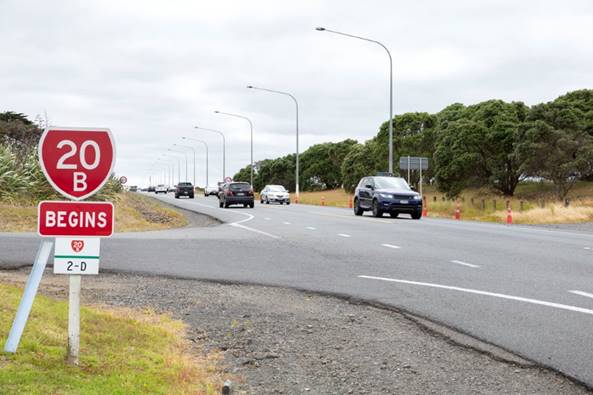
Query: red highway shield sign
[77,161]
[92,219]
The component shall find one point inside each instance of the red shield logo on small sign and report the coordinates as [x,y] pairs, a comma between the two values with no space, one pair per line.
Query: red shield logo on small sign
[77,245]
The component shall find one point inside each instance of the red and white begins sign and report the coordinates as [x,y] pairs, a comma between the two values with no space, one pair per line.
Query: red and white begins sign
[77,161]
[75,218]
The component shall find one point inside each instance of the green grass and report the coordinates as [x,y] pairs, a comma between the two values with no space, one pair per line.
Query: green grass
[122,352]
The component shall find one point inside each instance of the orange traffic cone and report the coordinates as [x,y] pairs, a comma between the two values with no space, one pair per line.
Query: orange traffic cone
[509,215]
[323,200]
[349,201]
[425,207]
[457,211]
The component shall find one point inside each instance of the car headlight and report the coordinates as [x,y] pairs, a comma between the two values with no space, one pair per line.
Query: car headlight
[385,195]
[417,197]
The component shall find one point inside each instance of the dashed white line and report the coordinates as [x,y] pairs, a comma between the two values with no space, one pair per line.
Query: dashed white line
[390,246]
[485,293]
[343,235]
[581,293]
[261,232]
[464,263]
[286,223]
[267,218]
[587,248]
[311,228]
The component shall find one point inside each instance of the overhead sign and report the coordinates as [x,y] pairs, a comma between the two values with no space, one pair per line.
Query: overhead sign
[413,163]
[75,219]
[123,179]
[78,255]
[76,161]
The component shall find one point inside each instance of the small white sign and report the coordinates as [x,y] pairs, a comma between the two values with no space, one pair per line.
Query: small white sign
[76,255]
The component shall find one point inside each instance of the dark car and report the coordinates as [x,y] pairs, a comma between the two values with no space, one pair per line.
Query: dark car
[151,189]
[184,189]
[236,193]
[383,194]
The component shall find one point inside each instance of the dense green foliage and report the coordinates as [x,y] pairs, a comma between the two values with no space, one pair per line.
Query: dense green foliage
[491,144]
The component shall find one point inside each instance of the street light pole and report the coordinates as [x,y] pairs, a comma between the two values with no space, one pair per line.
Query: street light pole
[185,155]
[251,126]
[194,152]
[297,131]
[206,146]
[223,148]
[322,29]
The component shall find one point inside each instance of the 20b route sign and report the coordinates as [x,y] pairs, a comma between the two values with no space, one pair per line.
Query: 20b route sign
[77,161]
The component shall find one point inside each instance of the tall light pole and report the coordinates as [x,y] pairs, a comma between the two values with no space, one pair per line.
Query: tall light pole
[185,155]
[206,146]
[223,148]
[194,152]
[251,126]
[297,130]
[322,29]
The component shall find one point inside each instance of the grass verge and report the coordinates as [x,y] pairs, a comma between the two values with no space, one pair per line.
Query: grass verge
[122,352]
[533,203]
[133,213]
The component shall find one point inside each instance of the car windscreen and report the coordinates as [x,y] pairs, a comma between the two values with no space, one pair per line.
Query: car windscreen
[276,188]
[240,187]
[391,183]
[184,184]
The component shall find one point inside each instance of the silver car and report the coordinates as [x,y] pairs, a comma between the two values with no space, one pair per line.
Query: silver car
[274,193]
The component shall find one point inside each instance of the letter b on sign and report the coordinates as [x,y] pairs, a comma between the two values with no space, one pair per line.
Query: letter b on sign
[76,161]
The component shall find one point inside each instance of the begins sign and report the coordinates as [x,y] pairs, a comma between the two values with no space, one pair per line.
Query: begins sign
[75,219]
[77,161]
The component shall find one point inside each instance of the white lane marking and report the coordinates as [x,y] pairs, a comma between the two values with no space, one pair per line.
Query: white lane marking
[311,228]
[581,293]
[485,293]
[267,218]
[343,235]
[261,232]
[587,248]
[286,223]
[390,246]
[464,263]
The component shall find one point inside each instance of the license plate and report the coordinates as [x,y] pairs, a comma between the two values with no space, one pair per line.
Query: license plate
[404,201]
[240,194]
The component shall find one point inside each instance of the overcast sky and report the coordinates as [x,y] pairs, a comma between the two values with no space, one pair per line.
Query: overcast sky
[151,70]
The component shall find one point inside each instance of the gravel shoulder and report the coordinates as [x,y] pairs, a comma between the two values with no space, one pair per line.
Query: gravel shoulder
[289,342]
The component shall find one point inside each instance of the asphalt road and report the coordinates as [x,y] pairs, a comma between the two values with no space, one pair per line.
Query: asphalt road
[525,289]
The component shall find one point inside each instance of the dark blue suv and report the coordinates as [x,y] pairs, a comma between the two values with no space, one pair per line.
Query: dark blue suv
[383,194]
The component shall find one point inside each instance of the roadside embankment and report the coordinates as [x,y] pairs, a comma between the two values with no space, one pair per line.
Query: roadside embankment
[275,340]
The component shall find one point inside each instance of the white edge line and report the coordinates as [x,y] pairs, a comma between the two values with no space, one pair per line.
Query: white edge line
[390,246]
[464,263]
[311,228]
[581,293]
[261,232]
[485,293]
[343,235]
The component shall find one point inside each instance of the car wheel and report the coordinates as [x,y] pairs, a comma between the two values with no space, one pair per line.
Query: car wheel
[220,204]
[376,210]
[251,205]
[357,209]
[226,205]
[191,196]
[176,196]
[417,215]
[261,201]
[287,203]
[267,200]
[394,214]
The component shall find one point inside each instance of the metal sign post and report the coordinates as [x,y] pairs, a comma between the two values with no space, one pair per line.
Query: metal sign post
[410,163]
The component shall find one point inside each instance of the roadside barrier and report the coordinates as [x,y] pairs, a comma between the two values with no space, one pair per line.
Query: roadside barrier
[323,200]
[425,207]
[457,211]
[349,201]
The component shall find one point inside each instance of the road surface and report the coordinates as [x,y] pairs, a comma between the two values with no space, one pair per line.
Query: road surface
[525,289]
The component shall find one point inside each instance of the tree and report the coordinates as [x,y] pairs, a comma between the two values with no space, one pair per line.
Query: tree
[322,165]
[18,132]
[477,146]
[243,174]
[555,145]
[359,162]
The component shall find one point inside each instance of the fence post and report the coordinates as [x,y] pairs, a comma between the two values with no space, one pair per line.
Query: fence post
[494,204]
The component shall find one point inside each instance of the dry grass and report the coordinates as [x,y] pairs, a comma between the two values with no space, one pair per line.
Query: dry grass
[133,213]
[122,351]
[534,203]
